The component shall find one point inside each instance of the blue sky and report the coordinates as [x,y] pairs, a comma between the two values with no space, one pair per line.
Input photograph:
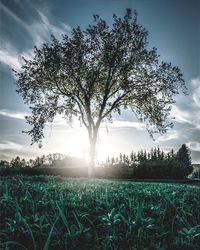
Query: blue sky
[174,28]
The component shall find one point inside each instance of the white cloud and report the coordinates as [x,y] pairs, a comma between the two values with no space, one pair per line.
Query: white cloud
[44,27]
[9,145]
[170,135]
[196,92]
[10,56]
[40,31]
[192,114]
[10,59]
[194,145]
[59,120]
[13,114]
[180,115]
[124,124]
[9,150]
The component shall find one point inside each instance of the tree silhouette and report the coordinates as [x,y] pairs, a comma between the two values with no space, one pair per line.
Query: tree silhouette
[96,72]
[184,158]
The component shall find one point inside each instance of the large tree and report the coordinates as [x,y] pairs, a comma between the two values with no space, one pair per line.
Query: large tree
[95,72]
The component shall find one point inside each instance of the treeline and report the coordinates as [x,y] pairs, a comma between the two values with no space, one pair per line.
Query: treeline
[51,164]
[155,154]
[46,161]
[153,164]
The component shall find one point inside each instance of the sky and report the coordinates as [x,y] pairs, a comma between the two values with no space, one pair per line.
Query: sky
[174,29]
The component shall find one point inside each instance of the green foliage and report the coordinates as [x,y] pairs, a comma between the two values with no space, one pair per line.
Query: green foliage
[183,155]
[141,165]
[155,164]
[17,162]
[96,72]
[59,213]
[184,158]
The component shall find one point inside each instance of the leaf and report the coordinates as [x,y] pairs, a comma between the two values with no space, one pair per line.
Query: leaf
[47,243]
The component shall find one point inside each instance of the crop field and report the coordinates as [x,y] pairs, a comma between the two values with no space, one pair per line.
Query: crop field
[43,213]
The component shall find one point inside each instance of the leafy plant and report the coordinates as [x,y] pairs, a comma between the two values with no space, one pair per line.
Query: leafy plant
[58,213]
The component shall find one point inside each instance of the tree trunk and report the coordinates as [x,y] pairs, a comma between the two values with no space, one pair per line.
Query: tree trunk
[92,152]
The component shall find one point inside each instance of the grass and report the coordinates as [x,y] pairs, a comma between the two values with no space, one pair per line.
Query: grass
[43,213]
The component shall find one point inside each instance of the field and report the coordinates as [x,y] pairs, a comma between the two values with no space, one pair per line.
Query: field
[43,213]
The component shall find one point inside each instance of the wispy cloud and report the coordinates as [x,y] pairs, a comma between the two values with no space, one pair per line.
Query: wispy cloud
[10,149]
[191,115]
[180,115]
[196,92]
[9,145]
[59,120]
[13,114]
[194,145]
[124,124]
[10,56]
[14,17]
[43,28]
[39,31]
[10,59]
[170,135]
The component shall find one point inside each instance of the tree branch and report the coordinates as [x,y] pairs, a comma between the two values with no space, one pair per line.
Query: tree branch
[115,104]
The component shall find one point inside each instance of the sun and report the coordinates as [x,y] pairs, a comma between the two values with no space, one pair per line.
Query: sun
[74,142]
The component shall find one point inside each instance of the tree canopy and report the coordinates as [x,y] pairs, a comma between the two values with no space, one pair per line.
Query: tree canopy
[98,71]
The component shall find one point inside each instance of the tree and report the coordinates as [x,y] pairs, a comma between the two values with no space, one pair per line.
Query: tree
[96,72]
[184,158]
[39,161]
[16,163]
[4,163]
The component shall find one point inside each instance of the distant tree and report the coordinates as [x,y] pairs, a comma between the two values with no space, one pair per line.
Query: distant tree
[4,163]
[132,157]
[168,156]
[23,163]
[162,155]
[16,162]
[39,161]
[121,158]
[112,160]
[145,155]
[172,154]
[141,155]
[96,72]
[108,160]
[158,153]
[152,154]
[184,158]
[127,160]
[138,156]
[49,158]
[30,163]
[124,158]
[155,157]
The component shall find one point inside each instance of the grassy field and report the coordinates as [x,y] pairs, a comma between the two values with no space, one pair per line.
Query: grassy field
[58,213]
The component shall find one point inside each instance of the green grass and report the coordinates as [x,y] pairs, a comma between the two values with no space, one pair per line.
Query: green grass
[43,213]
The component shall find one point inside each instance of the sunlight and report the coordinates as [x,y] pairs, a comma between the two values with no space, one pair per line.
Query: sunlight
[74,142]
[103,148]
[71,142]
